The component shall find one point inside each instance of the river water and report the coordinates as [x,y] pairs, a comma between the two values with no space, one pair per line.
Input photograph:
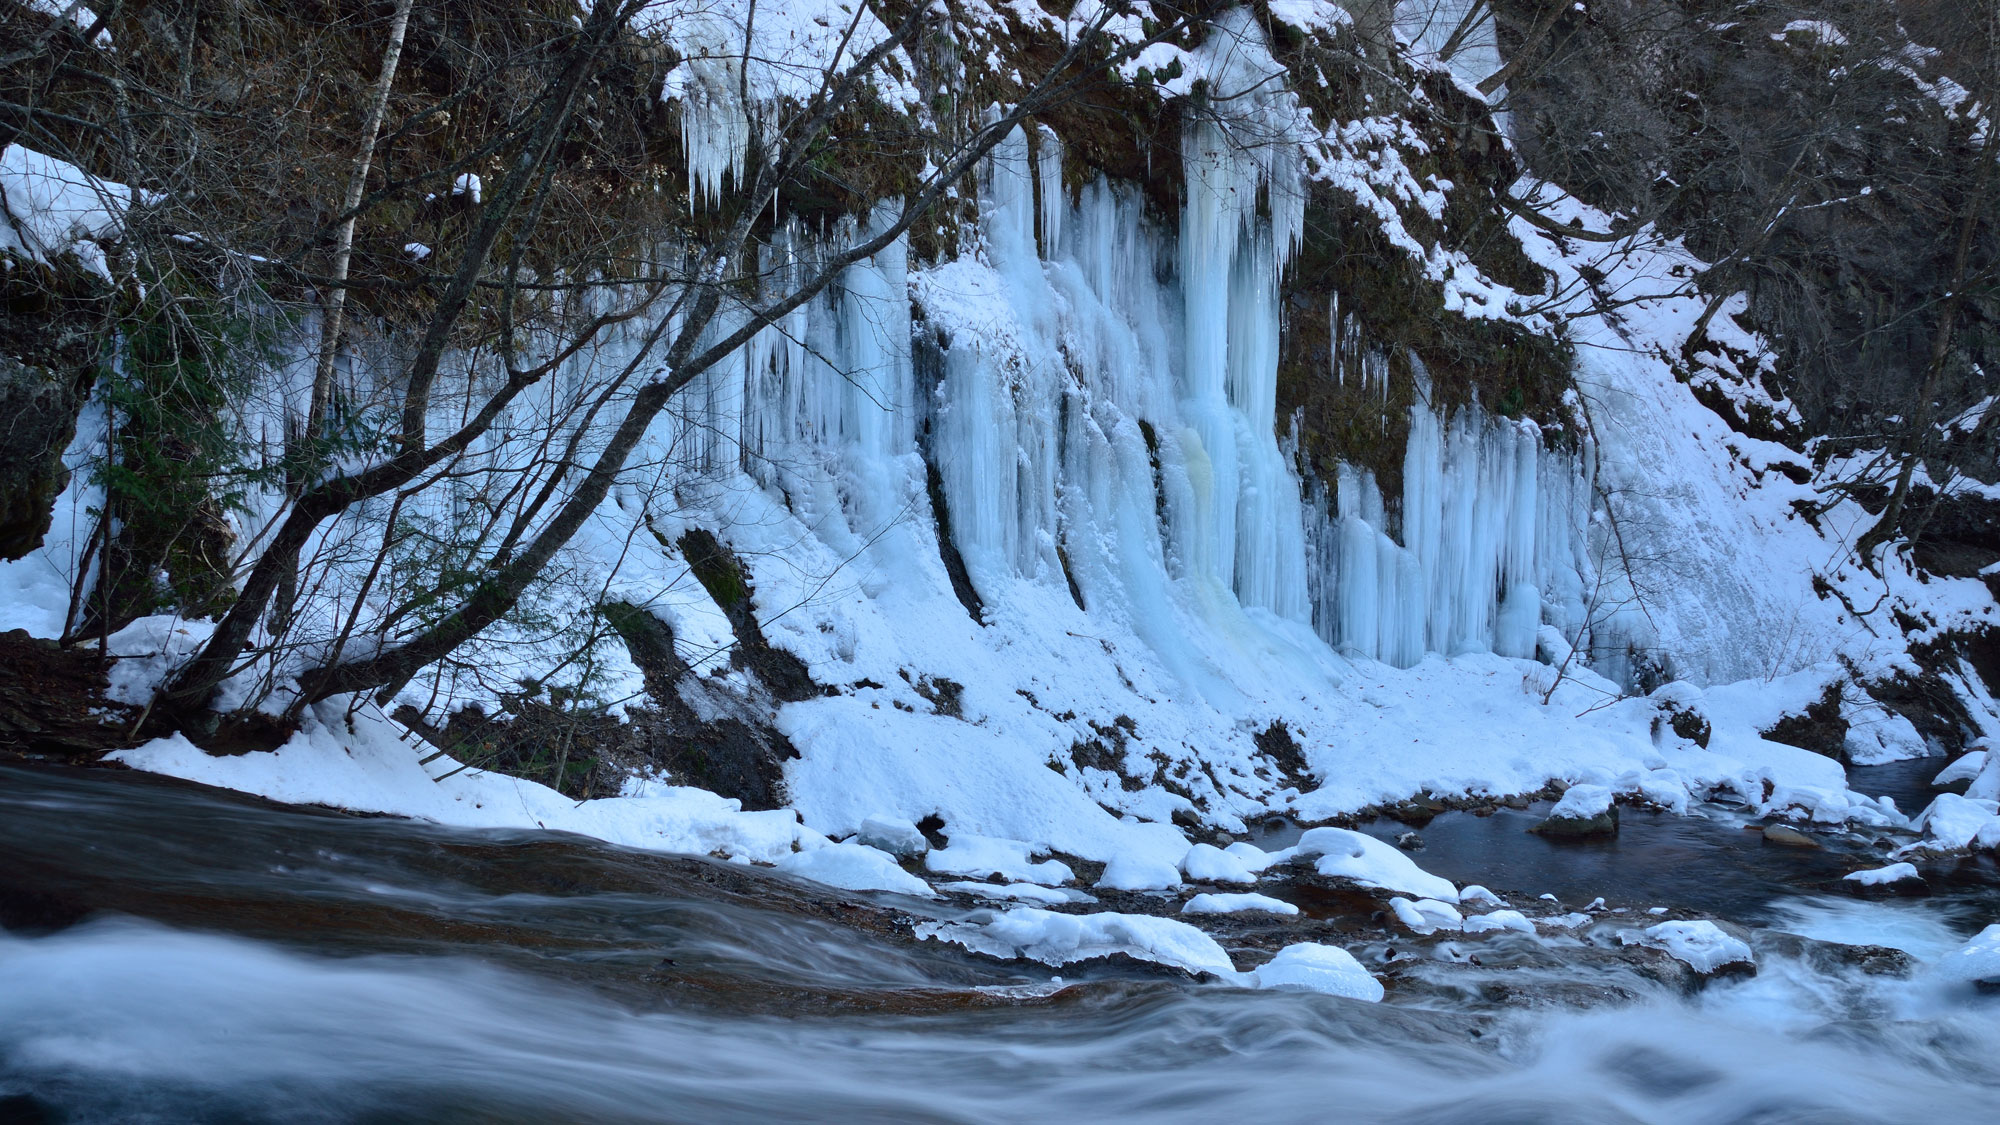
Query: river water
[174,953]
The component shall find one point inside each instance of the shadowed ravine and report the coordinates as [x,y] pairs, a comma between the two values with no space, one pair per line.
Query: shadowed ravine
[178,953]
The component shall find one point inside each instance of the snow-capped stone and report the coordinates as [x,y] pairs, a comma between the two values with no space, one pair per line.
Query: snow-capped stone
[1058,939]
[1702,945]
[1135,873]
[1312,967]
[1962,769]
[854,867]
[1499,920]
[1977,961]
[990,856]
[1237,904]
[894,835]
[1426,915]
[1585,810]
[1884,876]
[1372,863]
[1206,863]
[1951,822]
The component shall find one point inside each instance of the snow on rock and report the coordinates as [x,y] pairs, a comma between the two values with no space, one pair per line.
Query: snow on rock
[1020,892]
[1883,876]
[854,866]
[1206,863]
[1426,915]
[50,208]
[1953,823]
[894,835]
[990,857]
[370,769]
[1312,967]
[1976,960]
[1499,920]
[1963,768]
[1583,802]
[1136,873]
[1372,863]
[1472,894]
[1256,859]
[468,184]
[1058,939]
[1985,785]
[1236,904]
[1702,945]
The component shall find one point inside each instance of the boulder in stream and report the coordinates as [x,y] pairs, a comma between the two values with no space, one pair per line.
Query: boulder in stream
[1583,812]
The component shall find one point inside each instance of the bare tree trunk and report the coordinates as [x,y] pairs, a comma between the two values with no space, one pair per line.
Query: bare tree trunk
[343,245]
[303,458]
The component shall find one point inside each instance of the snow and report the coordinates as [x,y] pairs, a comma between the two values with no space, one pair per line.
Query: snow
[1883,876]
[1472,894]
[50,208]
[1951,822]
[468,184]
[1313,967]
[1965,767]
[1206,863]
[146,650]
[1499,921]
[1702,945]
[1426,915]
[1582,802]
[854,867]
[1372,863]
[991,857]
[1020,892]
[368,768]
[1133,873]
[1976,960]
[893,834]
[1058,939]
[1211,903]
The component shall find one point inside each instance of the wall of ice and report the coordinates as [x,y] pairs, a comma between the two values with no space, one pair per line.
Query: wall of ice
[1101,417]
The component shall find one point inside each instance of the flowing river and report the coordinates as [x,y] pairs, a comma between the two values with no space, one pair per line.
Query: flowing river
[174,953]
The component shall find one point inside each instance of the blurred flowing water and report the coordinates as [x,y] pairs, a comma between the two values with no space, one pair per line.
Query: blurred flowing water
[174,953]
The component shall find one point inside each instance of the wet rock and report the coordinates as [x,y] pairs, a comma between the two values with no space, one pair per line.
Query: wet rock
[1410,842]
[1787,836]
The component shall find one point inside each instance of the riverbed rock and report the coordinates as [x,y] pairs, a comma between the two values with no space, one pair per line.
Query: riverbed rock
[1785,835]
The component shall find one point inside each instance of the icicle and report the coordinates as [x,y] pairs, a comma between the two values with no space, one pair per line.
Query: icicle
[1049,187]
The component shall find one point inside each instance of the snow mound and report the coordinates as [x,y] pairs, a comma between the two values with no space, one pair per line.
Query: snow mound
[990,857]
[1237,904]
[1137,873]
[1372,863]
[1964,768]
[1254,858]
[1499,920]
[1058,939]
[1472,894]
[50,208]
[854,867]
[894,835]
[1312,967]
[1953,823]
[1882,876]
[1976,960]
[1427,915]
[1206,863]
[1702,945]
